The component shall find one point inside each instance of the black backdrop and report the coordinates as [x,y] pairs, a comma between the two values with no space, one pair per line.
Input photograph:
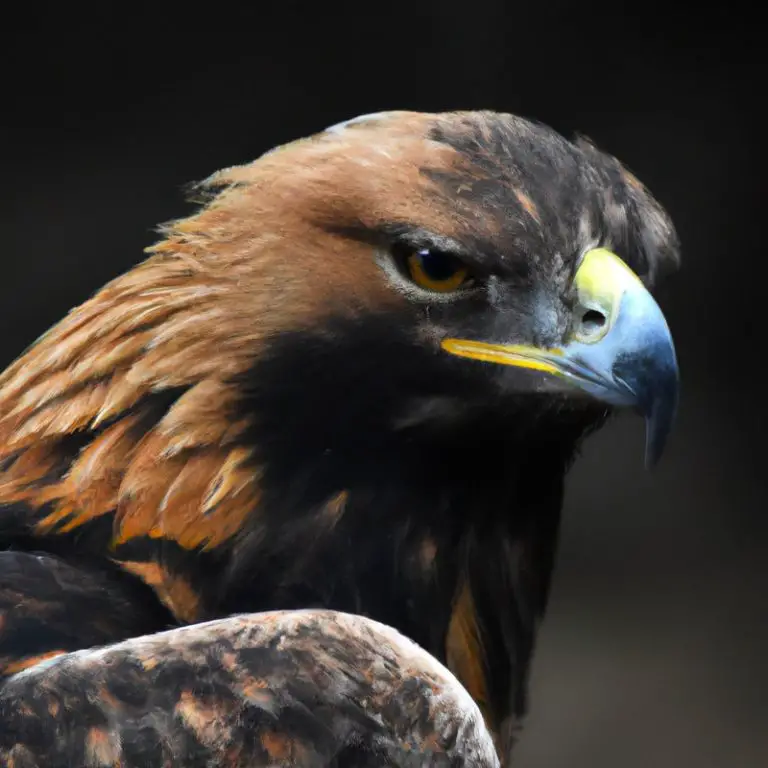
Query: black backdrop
[654,649]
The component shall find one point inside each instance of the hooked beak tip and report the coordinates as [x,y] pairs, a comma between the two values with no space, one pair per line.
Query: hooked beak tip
[659,418]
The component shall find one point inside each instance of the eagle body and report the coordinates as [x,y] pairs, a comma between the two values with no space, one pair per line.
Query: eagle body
[260,416]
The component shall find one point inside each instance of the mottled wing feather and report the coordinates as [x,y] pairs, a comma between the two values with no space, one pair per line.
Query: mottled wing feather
[301,688]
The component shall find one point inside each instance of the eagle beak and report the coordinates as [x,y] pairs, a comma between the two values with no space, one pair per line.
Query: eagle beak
[620,350]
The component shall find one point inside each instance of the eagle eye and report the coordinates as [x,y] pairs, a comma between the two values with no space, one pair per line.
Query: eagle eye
[434,270]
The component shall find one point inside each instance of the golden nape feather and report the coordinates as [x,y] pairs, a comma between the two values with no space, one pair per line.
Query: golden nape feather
[354,380]
[192,317]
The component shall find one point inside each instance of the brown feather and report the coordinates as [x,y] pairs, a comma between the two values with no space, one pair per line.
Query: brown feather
[464,649]
[196,498]
[90,488]
[19,665]
[23,478]
[174,591]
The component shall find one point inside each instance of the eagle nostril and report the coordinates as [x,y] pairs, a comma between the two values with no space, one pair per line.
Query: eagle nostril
[592,323]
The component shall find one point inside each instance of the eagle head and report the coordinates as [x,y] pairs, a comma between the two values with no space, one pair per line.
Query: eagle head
[413,274]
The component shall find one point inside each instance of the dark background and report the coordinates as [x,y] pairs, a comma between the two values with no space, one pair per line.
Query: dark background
[654,650]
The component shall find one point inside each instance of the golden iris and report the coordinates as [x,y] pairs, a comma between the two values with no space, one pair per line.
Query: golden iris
[435,271]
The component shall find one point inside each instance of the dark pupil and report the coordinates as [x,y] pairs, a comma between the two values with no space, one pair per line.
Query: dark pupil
[436,265]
